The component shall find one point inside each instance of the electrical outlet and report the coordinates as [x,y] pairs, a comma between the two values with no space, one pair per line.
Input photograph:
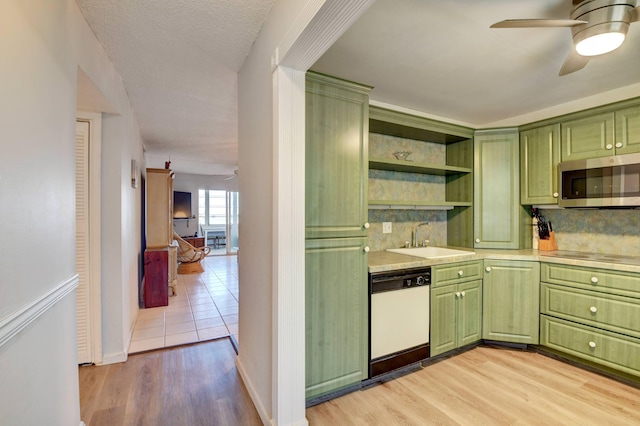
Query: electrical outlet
[386,227]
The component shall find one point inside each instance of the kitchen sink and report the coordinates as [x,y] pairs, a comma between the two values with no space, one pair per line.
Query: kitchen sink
[432,252]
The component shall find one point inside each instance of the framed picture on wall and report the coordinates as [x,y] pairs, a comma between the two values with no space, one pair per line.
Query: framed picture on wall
[135,172]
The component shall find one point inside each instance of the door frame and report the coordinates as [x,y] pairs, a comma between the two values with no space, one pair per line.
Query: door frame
[95,220]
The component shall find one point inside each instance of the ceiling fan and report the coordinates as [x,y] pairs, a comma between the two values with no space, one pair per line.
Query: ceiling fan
[597,27]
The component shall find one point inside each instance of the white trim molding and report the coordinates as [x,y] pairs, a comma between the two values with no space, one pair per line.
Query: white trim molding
[316,29]
[13,324]
[257,402]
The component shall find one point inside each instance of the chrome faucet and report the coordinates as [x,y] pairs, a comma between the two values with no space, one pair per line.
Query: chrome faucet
[414,234]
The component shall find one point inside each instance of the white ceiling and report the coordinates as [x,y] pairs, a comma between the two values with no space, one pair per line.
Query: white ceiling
[441,58]
[179,60]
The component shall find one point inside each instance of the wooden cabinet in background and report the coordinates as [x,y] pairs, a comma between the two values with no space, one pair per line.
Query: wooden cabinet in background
[156,278]
[159,190]
[195,241]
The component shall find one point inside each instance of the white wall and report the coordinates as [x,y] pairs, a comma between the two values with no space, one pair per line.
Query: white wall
[271,90]
[121,204]
[255,160]
[41,46]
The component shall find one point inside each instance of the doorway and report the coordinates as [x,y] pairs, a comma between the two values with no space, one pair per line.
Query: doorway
[88,294]
[219,218]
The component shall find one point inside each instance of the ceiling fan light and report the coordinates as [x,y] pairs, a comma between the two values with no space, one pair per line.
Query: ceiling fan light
[600,44]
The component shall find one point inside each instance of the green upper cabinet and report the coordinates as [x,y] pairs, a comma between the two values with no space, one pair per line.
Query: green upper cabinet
[628,130]
[499,219]
[539,158]
[336,314]
[337,128]
[588,137]
[511,301]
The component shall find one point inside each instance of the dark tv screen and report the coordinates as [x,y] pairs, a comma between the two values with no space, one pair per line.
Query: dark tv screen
[181,205]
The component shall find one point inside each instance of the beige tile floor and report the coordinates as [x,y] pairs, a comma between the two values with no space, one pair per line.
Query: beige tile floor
[205,308]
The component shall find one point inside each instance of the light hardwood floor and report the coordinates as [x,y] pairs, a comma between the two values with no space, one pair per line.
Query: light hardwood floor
[188,385]
[488,386]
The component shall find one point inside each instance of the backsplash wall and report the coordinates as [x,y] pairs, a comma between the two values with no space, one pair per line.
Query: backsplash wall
[388,185]
[608,231]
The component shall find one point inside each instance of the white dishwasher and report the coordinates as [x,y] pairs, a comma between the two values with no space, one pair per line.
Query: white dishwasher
[399,319]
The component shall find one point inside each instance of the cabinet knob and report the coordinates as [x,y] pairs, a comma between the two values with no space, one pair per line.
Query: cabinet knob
[366,225]
[457,294]
[366,249]
[619,145]
[593,309]
[460,273]
[488,269]
[555,195]
[609,146]
[463,293]
[477,240]
[594,280]
[592,345]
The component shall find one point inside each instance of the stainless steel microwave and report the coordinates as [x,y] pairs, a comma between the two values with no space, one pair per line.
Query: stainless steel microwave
[600,182]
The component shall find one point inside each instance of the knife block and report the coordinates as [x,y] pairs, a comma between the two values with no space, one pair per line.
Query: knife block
[549,244]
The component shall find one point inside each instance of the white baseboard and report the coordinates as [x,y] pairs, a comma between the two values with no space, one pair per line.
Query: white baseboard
[14,323]
[264,416]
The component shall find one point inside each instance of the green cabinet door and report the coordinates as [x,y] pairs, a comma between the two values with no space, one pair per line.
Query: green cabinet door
[336,314]
[337,127]
[456,316]
[539,158]
[511,301]
[628,130]
[470,312]
[588,137]
[499,219]
[444,327]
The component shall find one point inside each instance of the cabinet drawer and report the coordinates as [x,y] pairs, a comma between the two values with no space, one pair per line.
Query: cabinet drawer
[602,280]
[454,273]
[616,313]
[598,346]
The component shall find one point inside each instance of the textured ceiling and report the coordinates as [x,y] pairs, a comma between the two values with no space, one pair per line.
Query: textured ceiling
[441,58]
[179,60]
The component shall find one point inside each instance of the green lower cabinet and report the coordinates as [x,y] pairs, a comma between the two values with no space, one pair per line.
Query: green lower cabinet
[602,347]
[456,316]
[511,301]
[336,314]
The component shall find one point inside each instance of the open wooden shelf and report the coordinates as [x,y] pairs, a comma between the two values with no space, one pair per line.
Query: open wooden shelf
[411,167]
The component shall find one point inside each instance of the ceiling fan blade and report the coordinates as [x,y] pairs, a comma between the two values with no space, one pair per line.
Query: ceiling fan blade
[635,14]
[573,63]
[537,23]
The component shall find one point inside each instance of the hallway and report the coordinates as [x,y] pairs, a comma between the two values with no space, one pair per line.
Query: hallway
[205,308]
[188,385]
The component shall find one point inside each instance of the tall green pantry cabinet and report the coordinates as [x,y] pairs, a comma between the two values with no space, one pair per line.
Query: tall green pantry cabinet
[336,292]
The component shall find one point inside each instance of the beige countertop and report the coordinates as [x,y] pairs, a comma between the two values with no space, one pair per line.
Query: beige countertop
[383,261]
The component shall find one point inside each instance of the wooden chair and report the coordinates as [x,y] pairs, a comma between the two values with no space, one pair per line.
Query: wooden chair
[189,257]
